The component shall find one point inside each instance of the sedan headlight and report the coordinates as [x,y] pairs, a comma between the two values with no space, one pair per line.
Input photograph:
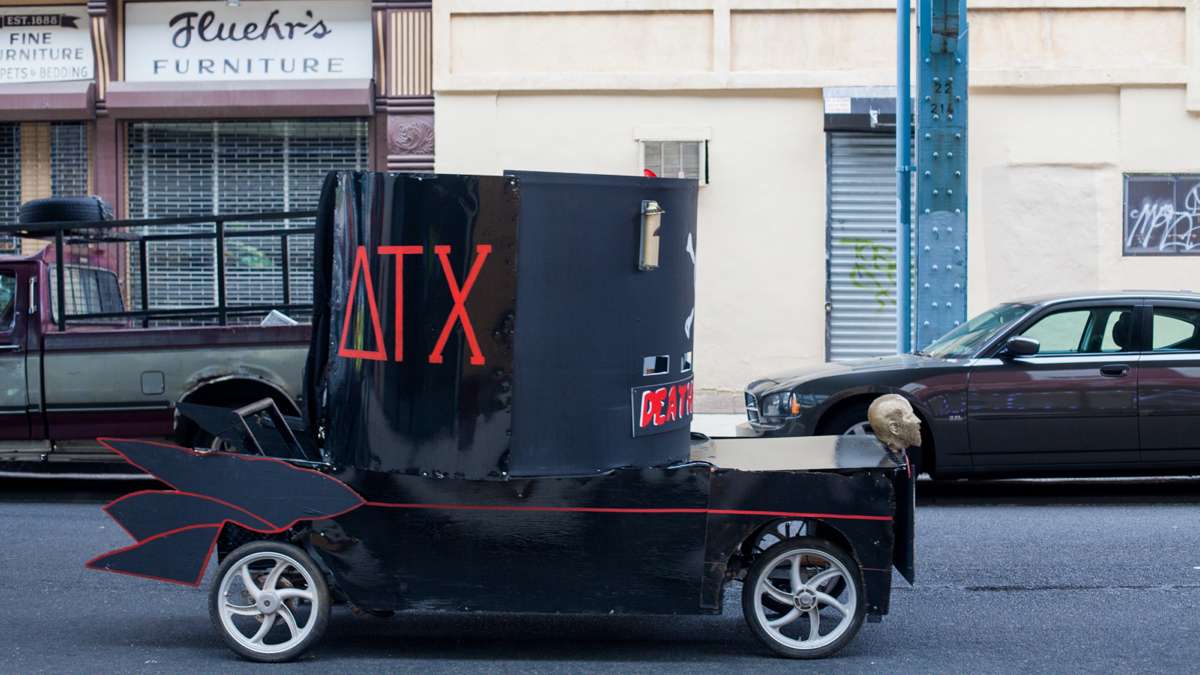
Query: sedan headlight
[782,404]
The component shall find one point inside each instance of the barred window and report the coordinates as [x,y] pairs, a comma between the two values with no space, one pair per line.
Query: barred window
[192,168]
[676,159]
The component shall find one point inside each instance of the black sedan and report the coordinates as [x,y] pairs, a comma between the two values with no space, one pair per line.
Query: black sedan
[1086,384]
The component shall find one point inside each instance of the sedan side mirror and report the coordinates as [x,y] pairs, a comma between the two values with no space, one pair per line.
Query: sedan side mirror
[1021,346]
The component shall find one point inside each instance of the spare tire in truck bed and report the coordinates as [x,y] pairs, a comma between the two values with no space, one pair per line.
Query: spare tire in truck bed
[63,209]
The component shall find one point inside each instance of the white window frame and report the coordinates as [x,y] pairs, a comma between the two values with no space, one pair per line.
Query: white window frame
[687,134]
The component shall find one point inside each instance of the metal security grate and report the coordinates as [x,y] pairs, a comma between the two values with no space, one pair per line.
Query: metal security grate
[861,321]
[10,179]
[68,159]
[178,169]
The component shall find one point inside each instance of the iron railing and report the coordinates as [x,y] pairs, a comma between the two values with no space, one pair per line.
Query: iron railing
[137,236]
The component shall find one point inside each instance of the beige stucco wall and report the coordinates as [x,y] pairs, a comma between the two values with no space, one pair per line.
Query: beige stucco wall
[761,235]
[1067,95]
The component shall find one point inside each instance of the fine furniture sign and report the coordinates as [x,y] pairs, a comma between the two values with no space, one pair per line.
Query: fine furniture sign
[1162,215]
[211,41]
[44,44]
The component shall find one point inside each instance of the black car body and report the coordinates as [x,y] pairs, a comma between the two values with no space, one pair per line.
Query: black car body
[1122,396]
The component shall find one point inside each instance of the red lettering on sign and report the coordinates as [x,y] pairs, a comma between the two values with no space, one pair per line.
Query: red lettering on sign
[400,252]
[691,391]
[647,409]
[660,399]
[672,405]
[379,353]
[460,296]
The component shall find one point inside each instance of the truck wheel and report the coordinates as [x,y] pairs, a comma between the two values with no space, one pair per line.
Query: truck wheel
[62,209]
[786,603]
[269,602]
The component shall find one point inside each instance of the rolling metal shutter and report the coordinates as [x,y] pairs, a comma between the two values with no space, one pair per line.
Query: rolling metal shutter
[861,246]
[190,168]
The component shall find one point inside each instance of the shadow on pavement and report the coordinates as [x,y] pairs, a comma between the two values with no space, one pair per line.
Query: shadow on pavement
[1160,489]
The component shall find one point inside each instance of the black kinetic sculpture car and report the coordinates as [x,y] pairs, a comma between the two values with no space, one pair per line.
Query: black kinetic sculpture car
[498,406]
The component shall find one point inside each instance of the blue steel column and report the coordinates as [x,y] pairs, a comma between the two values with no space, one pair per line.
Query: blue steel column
[941,255]
[903,176]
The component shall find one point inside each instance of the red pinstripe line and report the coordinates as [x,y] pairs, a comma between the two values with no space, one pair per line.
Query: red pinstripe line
[608,509]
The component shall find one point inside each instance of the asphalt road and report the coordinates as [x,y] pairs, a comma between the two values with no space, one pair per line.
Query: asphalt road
[1033,576]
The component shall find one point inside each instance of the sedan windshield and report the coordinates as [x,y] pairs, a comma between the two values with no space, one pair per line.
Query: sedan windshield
[967,338]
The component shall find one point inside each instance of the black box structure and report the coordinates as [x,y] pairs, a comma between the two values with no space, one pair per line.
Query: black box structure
[488,327]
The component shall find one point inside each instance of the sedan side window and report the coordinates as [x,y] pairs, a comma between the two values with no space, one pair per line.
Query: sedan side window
[1061,332]
[1176,329]
[1096,330]
[8,301]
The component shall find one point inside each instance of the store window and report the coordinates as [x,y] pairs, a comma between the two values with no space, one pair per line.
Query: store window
[190,168]
[10,179]
[39,159]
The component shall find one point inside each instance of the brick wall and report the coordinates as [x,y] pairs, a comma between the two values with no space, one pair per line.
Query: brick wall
[10,178]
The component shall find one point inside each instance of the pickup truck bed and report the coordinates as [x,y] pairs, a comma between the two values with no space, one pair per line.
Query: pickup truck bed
[64,381]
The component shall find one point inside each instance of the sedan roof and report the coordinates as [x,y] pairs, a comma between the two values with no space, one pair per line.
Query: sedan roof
[1047,299]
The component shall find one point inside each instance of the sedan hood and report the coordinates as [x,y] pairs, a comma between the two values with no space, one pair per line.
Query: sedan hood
[790,378]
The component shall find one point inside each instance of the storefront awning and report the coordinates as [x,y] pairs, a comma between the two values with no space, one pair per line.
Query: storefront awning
[45,101]
[241,100]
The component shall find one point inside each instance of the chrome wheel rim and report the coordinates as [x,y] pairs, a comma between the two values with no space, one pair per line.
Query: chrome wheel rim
[808,611]
[861,429]
[268,602]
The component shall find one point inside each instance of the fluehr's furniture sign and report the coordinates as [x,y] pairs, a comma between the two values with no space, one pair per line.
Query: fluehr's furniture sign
[1162,214]
[44,44]
[211,41]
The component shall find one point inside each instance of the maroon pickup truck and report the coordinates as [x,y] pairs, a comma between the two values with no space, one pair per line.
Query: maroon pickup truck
[100,368]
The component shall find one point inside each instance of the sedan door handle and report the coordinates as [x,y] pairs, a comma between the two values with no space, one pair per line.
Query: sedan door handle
[1114,370]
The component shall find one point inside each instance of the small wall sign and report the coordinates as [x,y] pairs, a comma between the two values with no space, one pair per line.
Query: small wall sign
[45,44]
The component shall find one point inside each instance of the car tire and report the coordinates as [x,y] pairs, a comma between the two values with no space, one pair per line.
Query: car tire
[301,604]
[851,420]
[64,209]
[764,595]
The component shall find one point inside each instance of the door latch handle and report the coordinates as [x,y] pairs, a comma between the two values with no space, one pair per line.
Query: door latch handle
[1114,370]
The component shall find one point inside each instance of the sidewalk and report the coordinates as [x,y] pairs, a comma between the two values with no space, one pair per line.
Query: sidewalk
[717,424]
